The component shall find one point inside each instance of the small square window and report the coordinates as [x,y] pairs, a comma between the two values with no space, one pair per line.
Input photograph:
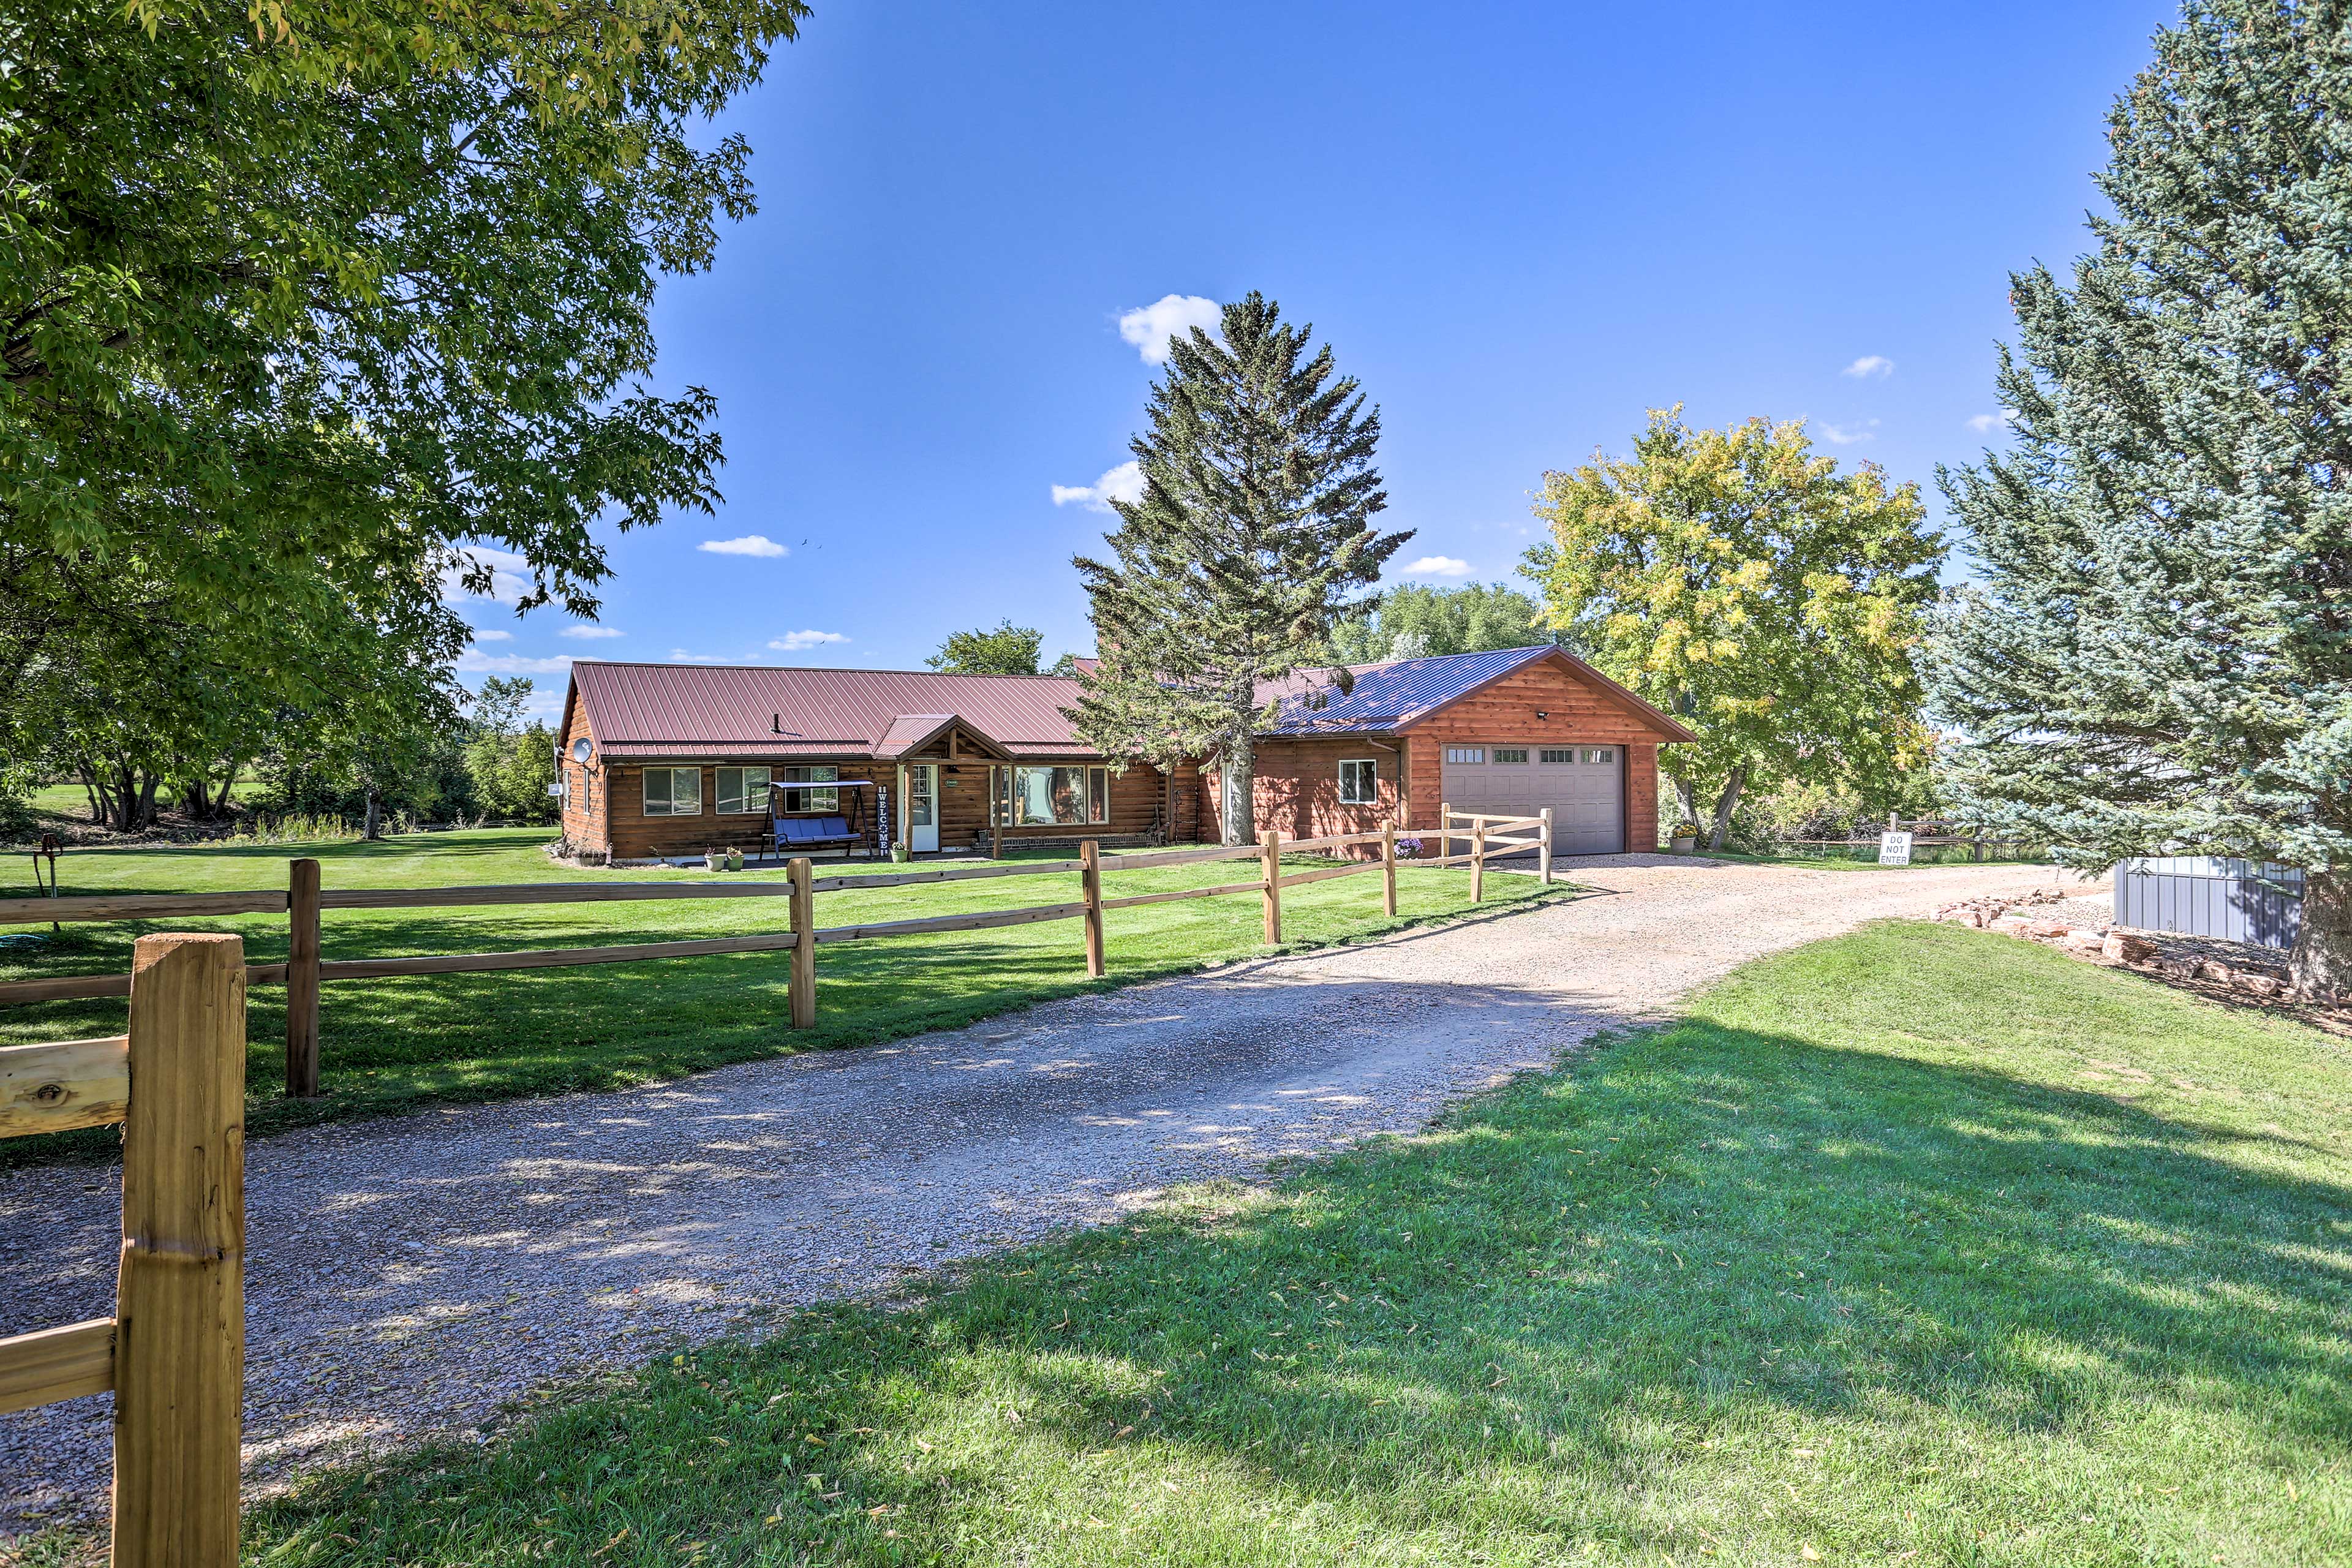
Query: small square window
[1359,782]
[1553,756]
[672,792]
[1466,754]
[1513,755]
[742,791]
[1598,754]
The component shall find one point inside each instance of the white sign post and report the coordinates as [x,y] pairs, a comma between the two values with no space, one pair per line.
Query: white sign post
[1894,849]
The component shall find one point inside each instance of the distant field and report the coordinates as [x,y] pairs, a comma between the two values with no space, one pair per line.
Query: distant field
[393,1045]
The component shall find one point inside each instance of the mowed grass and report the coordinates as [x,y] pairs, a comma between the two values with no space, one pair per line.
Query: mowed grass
[393,1044]
[1918,1246]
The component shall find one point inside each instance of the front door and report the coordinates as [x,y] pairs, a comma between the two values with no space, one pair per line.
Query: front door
[923,807]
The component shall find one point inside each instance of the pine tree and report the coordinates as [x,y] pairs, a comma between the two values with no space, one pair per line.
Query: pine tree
[2156,657]
[1255,524]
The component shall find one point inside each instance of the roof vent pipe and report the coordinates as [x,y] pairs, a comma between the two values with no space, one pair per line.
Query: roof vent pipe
[775,724]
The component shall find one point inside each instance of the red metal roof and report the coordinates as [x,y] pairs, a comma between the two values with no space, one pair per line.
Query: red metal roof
[706,710]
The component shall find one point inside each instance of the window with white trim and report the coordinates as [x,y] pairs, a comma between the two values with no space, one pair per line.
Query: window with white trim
[1466,754]
[672,792]
[1058,796]
[827,800]
[1360,781]
[1515,756]
[741,791]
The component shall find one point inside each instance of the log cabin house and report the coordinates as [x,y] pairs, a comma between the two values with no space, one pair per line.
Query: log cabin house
[665,760]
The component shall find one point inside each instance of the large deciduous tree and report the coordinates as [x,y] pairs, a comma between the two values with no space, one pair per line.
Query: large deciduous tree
[1771,603]
[1420,620]
[1002,650]
[2155,656]
[296,301]
[1255,524]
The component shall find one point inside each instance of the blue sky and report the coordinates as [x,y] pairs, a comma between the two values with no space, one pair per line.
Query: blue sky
[1518,226]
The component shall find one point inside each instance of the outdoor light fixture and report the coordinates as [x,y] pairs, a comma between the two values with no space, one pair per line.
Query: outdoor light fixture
[1542,714]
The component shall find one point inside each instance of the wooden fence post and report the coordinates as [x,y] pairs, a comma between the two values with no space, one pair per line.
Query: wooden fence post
[1388,868]
[1477,858]
[1543,851]
[301,979]
[803,992]
[1090,882]
[179,1369]
[1272,892]
[1445,829]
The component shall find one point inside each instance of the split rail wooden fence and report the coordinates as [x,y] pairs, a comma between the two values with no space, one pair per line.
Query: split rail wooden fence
[174,1353]
[304,901]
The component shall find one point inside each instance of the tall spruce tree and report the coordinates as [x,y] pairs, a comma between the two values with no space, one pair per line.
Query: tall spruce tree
[2156,656]
[1255,524]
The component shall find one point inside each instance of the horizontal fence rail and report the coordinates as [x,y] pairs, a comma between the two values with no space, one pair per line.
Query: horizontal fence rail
[305,900]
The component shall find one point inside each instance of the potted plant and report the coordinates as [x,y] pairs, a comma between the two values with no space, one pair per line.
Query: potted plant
[714,859]
[734,860]
[1684,838]
[900,854]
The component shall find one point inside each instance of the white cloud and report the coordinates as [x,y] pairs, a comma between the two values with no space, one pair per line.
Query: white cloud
[590,631]
[1847,435]
[1869,365]
[749,544]
[1985,423]
[1122,483]
[680,655]
[1438,566]
[472,663]
[1149,327]
[490,633]
[509,576]
[793,642]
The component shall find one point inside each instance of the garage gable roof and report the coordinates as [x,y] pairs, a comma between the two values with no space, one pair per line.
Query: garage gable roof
[1404,692]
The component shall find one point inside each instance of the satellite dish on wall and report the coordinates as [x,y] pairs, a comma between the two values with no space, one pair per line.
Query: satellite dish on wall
[581,749]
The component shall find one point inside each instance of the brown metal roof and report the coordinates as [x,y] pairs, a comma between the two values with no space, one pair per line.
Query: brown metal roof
[702,709]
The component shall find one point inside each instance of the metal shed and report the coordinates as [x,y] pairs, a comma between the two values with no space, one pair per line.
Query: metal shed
[2237,901]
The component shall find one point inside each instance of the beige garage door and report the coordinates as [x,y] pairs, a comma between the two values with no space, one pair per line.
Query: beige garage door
[1584,787]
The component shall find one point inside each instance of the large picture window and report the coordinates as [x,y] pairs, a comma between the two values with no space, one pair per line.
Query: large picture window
[1066,798]
[1359,782]
[825,797]
[742,792]
[672,792]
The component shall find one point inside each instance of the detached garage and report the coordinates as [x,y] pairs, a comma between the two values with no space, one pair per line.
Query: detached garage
[1504,732]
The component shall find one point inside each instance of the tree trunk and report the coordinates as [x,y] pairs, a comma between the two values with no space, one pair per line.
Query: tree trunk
[1687,799]
[1724,804]
[374,815]
[2322,945]
[1237,784]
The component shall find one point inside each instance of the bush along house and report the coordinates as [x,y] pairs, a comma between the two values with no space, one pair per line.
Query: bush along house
[669,760]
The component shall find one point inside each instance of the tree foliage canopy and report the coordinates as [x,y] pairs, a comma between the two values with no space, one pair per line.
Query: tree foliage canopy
[296,301]
[2157,653]
[1002,650]
[1769,602]
[1420,620]
[1255,524]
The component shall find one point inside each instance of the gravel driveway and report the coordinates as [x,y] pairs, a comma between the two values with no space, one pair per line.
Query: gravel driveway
[410,1275]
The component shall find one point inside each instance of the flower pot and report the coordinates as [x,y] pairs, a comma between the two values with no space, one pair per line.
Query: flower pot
[1683,843]
[734,860]
[900,854]
[713,860]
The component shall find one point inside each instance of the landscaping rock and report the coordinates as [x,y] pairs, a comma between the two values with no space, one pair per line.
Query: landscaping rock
[2048,931]
[2127,949]
[2085,942]
[2014,925]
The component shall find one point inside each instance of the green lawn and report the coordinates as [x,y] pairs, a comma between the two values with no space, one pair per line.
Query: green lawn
[1917,1246]
[392,1045]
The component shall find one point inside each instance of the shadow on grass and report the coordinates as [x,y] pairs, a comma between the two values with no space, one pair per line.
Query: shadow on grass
[1597,1311]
